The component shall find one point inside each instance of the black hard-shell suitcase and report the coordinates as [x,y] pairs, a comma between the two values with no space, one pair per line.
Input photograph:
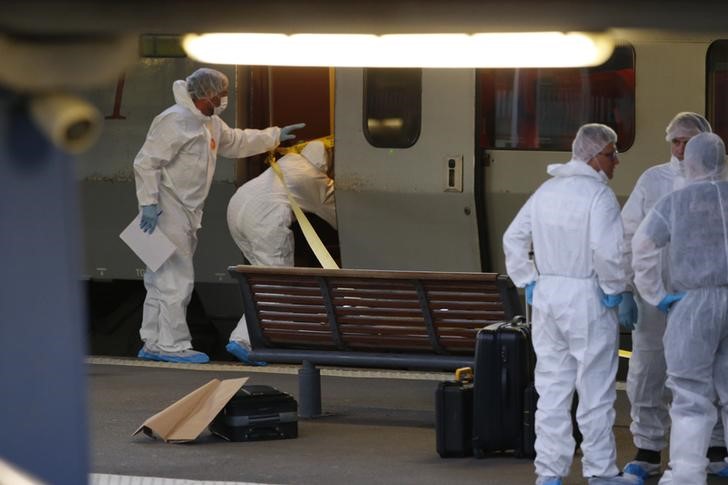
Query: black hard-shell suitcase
[454,415]
[504,364]
[257,412]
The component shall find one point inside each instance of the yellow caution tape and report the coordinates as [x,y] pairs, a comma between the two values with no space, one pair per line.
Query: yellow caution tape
[328,142]
[322,254]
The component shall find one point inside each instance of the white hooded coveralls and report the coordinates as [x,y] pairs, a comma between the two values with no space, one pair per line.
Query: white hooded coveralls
[574,225]
[174,169]
[259,214]
[646,389]
[694,222]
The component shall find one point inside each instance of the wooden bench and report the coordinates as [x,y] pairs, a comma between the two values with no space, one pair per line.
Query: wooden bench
[368,318]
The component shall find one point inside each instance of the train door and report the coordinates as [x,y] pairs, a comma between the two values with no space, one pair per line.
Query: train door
[280,96]
[405,184]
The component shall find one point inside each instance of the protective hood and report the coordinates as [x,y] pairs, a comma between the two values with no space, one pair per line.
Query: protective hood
[575,168]
[686,125]
[182,98]
[315,153]
[705,158]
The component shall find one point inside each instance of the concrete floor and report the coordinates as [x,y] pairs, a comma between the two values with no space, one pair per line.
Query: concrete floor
[378,429]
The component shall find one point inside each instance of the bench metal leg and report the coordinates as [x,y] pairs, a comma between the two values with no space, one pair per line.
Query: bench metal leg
[309,391]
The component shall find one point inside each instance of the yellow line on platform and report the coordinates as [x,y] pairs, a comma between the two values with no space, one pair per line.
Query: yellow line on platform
[291,369]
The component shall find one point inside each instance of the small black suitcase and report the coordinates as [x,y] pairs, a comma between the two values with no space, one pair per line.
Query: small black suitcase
[504,364]
[454,415]
[257,413]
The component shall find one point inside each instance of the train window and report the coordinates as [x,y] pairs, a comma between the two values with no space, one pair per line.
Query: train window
[161,45]
[392,107]
[717,87]
[541,109]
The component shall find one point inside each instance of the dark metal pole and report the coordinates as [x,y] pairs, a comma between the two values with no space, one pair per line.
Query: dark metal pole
[309,391]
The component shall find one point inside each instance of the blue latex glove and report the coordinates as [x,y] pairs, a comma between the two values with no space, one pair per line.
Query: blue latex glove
[150,214]
[529,292]
[668,301]
[287,130]
[628,311]
[611,301]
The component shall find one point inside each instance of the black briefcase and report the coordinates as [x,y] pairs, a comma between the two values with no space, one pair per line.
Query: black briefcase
[454,415]
[257,412]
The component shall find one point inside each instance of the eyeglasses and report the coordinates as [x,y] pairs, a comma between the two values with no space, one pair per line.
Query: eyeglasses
[611,155]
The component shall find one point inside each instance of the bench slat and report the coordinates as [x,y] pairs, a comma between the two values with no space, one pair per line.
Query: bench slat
[470,305]
[292,337]
[288,316]
[259,284]
[283,298]
[476,322]
[356,330]
[263,290]
[303,326]
[437,286]
[368,303]
[378,311]
[465,314]
[465,297]
[367,283]
[360,319]
[458,332]
[291,307]
[358,291]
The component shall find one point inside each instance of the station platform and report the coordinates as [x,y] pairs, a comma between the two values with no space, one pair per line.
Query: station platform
[377,428]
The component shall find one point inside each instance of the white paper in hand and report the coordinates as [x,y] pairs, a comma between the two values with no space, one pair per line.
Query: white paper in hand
[153,249]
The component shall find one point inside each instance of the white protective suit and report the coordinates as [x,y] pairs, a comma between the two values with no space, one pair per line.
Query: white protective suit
[573,222]
[259,214]
[174,169]
[646,389]
[694,221]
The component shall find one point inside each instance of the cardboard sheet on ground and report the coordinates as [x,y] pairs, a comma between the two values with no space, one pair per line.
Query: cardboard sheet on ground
[187,418]
[153,249]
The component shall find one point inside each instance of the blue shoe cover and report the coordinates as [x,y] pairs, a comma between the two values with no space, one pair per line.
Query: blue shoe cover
[625,479]
[642,469]
[152,352]
[187,356]
[548,481]
[147,353]
[718,468]
[241,353]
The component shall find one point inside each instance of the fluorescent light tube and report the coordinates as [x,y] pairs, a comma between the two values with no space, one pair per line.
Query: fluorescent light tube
[528,49]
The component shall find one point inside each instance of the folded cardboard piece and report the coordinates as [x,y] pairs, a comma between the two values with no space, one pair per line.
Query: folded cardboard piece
[185,419]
